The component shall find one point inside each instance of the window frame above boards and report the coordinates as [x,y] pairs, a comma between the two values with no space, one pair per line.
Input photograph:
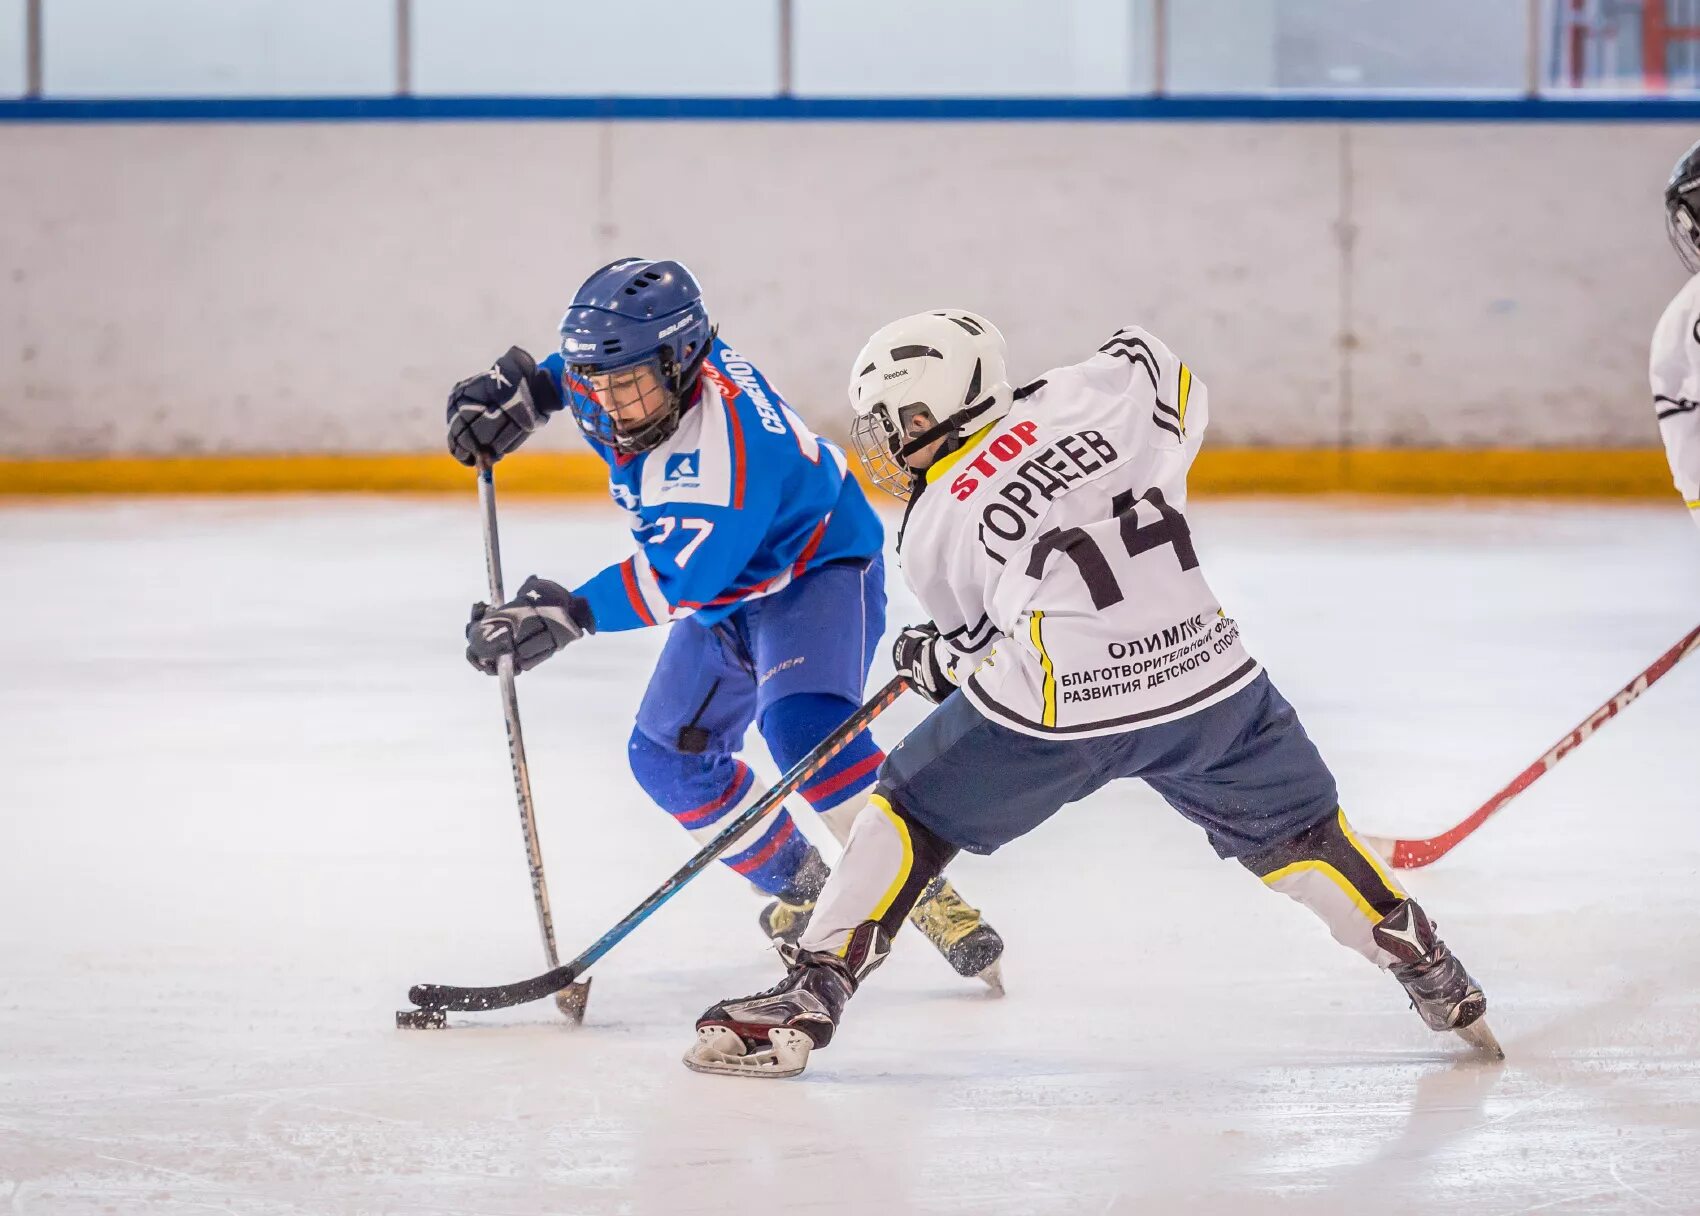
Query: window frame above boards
[958,58]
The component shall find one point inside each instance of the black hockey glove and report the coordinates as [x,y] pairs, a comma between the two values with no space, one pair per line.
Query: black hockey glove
[492,413]
[920,654]
[537,622]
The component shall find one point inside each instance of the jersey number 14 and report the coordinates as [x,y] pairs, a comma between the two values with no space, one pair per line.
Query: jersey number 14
[1168,529]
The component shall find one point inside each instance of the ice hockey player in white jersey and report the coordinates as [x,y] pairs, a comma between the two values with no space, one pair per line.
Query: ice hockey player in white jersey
[1073,642]
[1675,364]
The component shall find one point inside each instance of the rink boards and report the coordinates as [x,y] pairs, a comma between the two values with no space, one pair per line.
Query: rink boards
[239,289]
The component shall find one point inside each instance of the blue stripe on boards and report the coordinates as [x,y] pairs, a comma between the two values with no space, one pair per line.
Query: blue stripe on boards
[1248,108]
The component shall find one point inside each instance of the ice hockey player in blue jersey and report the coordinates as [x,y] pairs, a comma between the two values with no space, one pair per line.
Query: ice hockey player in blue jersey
[753,545]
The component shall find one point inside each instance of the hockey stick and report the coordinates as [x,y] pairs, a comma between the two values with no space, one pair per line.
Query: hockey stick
[572,1000]
[1410,854]
[433,999]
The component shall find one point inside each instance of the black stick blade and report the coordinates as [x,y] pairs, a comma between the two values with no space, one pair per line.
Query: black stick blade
[473,1000]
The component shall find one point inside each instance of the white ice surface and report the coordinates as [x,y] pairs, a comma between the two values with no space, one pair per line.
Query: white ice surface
[250,792]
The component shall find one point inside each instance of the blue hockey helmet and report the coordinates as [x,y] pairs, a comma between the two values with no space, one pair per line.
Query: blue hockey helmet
[634,340]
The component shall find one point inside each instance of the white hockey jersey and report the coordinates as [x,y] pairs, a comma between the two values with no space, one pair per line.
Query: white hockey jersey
[1052,551]
[1675,375]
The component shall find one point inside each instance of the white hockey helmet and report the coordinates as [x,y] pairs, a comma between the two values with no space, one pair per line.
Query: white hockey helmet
[950,363]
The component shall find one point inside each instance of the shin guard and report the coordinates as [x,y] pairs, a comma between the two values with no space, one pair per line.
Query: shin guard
[1328,870]
[887,864]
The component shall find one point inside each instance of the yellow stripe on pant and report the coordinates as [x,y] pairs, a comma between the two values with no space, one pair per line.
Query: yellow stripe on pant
[1342,907]
[1353,895]
[908,861]
[1368,855]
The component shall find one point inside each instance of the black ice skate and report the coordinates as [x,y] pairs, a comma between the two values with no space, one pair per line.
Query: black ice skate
[787,916]
[970,945]
[1441,991]
[772,1033]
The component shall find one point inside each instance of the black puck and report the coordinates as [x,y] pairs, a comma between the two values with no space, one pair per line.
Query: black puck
[421,1019]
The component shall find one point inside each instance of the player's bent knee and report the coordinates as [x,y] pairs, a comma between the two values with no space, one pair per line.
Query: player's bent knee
[653,762]
[678,780]
[1330,845]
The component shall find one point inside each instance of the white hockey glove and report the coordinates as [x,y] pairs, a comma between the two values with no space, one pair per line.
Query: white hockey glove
[927,660]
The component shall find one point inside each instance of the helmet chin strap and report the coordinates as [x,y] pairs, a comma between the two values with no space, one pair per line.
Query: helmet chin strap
[954,423]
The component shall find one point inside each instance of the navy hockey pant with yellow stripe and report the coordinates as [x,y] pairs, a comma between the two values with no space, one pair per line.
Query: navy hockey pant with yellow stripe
[1243,770]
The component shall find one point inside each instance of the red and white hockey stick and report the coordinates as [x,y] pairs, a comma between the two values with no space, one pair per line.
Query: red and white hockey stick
[1409,854]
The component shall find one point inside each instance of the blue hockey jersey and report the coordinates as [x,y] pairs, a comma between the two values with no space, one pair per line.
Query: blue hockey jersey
[736,503]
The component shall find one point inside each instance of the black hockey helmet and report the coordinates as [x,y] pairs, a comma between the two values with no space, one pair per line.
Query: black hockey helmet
[1682,208]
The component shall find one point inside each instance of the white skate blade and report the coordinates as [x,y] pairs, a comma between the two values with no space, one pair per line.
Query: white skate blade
[720,1052]
[1479,1035]
[992,977]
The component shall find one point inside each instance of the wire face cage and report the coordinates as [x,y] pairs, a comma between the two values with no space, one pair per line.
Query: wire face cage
[631,409]
[875,439]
